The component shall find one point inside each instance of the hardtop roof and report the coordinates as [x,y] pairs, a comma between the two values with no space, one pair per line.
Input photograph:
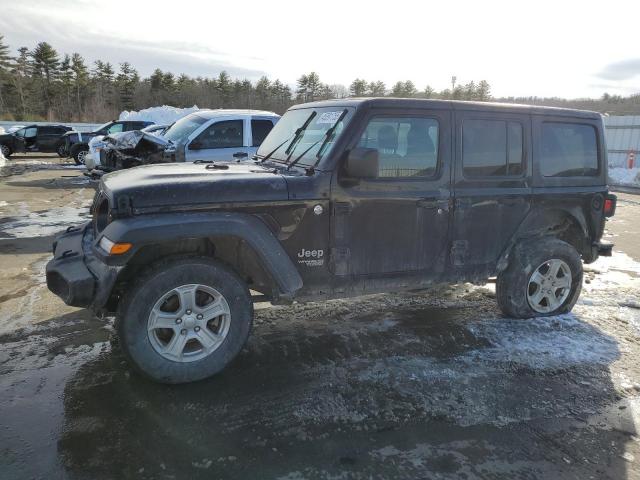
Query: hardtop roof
[458,105]
[222,112]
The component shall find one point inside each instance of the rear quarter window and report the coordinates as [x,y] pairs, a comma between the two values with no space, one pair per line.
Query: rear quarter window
[569,150]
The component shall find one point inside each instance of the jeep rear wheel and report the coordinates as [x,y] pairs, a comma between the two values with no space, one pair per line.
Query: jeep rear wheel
[544,278]
[185,320]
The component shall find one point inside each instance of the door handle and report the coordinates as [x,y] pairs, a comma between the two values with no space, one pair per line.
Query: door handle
[441,204]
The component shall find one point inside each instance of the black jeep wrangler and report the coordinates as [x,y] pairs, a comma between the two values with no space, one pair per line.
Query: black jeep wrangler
[34,138]
[344,198]
[76,144]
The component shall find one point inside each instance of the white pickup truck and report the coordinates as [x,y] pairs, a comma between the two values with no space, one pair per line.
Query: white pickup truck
[206,135]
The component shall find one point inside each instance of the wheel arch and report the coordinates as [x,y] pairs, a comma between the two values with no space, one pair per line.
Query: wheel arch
[241,241]
[565,223]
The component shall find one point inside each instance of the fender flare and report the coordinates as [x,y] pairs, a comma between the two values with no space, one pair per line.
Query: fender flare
[159,228]
[532,224]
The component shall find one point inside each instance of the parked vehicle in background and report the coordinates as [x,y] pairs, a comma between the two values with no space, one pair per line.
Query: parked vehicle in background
[206,135]
[76,144]
[346,198]
[222,135]
[34,138]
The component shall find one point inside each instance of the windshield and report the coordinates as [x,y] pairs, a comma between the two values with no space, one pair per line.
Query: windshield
[184,127]
[103,126]
[310,140]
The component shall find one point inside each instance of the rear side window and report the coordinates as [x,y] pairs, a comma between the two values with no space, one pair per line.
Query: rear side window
[569,150]
[492,148]
[48,130]
[259,131]
[407,146]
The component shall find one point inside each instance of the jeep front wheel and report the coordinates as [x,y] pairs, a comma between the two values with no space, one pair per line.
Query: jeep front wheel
[544,278]
[185,320]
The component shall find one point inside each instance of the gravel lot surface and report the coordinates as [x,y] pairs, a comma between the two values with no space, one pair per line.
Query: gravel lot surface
[429,385]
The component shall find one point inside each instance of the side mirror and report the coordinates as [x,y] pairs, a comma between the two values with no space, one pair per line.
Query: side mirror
[240,155]
[362,163]
[195,145]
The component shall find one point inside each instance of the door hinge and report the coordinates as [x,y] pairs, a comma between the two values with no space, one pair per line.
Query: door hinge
[459,249]
[340,257]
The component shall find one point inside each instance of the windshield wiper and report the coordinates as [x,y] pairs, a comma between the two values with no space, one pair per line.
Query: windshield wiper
[292,146]
[268,155]
[327,138]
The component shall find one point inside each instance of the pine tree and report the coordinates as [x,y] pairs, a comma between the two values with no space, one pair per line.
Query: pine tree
[358,88]
[484,91]
[377,89]
[80,80]
[5,64]
[46,68]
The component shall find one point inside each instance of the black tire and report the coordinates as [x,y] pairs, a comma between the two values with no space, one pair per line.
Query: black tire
[6,150]
[135,308]
[78,152]
[513,283]
[61,150]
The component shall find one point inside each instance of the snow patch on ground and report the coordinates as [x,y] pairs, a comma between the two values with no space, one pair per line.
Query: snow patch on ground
[163,115]
[624,176]
[27,224]
[3,160]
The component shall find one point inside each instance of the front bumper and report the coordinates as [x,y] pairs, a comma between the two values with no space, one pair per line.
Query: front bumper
[75,274]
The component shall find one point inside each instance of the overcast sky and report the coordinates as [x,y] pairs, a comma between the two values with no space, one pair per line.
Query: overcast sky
[545,48]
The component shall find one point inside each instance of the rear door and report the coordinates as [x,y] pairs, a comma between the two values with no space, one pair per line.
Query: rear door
[492,187]
[47,138]
[222,140]
[396,223]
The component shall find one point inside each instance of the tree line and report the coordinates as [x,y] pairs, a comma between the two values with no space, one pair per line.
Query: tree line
[42,84]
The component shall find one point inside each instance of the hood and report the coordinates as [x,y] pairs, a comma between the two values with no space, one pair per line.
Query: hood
[136,140]
[188,185]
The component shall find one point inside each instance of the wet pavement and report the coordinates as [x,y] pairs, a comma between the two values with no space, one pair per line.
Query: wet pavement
[435,385]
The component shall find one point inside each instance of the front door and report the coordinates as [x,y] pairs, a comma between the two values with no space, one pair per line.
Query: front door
[398,222]
[220,141]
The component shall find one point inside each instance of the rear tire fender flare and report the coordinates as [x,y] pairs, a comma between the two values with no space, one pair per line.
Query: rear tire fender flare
[536,223]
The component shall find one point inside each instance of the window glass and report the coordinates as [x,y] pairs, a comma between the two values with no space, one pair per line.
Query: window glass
[569,150]
[259,130]
[514,153]
[323,129]
[225,134]
[491,148]
[30,132]
[20,133]
[48,130]
[184,127]
[407,146]
[115,128]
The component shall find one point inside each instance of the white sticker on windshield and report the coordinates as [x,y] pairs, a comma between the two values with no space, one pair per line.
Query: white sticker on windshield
[329,117]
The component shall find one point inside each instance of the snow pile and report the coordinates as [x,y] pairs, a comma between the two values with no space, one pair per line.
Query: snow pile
[624,176]
[3,160]
[164,115]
